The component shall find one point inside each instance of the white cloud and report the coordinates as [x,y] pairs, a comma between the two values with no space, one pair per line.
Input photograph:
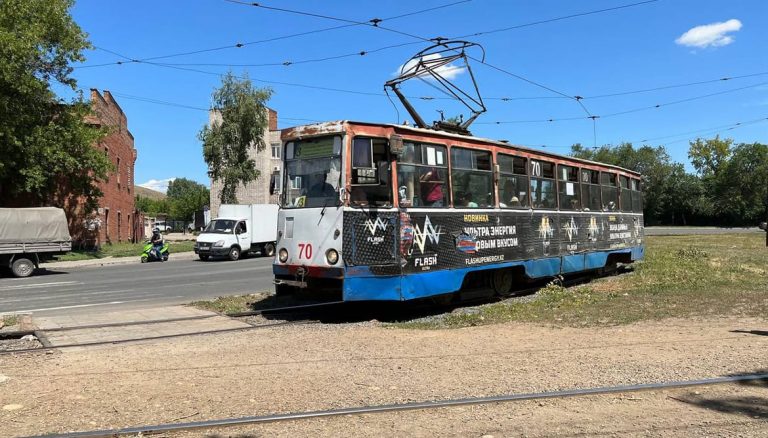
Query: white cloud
[160,185]
[710,35]
[447,71]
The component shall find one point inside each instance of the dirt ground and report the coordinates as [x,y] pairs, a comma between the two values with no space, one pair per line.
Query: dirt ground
[314,367]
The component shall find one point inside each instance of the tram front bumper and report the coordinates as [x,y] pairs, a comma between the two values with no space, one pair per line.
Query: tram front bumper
[301,284]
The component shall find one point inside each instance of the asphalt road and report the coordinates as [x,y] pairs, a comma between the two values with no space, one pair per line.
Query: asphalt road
[678,231]
[75,290]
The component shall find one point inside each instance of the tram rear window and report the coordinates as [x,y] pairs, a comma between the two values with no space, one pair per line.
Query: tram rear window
[610,191]
[637,196]
[626,194]
[590,190]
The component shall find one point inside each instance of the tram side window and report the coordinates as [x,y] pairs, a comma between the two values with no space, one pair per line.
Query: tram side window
[568,187]
[637,196]
[543,184]
[590,190]
[370,185]
[610,191]
[472,178]
[422,175]
[513,181]
[626,194]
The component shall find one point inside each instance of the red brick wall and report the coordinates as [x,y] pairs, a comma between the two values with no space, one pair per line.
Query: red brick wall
[117,210]
[272,120]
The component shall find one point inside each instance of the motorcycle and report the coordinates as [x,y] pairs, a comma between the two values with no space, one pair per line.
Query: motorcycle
[151,255]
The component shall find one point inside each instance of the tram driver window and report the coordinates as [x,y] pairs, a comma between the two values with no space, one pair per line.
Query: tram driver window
[370,185]
[610,191]
[472,178]
[422,175]
[543,184]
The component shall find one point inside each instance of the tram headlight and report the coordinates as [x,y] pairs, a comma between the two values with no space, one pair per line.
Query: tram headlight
[332,256]
[283,255]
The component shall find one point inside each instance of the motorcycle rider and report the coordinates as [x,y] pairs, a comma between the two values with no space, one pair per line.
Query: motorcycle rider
[157,243]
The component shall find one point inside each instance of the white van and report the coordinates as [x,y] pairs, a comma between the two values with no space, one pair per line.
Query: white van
[239,229]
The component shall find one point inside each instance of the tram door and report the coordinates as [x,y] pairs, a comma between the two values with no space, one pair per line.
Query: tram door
[372,218]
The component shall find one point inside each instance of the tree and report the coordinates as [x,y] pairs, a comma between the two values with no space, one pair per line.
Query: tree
[240,121]
[153,207]
[741,186]
[186,197]
[47,155]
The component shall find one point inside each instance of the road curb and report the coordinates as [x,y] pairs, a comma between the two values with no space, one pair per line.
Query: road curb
[187,255]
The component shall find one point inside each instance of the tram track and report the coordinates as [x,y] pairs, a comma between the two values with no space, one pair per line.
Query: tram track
[421,405]
[40,333]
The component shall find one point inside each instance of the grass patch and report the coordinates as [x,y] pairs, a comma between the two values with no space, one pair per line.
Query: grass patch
[123,250]
[10,320]
[682,276]
[229,304]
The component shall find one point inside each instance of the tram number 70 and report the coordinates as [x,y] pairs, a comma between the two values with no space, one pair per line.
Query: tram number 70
[305,251]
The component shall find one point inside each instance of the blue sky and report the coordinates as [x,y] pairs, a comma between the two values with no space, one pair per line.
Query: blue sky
[628,49]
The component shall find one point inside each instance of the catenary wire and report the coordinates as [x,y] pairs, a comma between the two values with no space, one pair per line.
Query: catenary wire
[268,40]
[357,53]
[629,111]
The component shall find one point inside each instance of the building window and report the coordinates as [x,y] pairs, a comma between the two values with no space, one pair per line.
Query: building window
[276,147]
[118,173]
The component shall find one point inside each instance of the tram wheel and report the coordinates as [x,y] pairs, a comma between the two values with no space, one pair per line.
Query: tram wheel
[502,281]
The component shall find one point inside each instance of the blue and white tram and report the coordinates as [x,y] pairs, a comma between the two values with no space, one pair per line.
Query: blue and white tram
[390,212]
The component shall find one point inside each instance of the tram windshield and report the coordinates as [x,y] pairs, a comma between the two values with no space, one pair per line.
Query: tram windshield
[313,172]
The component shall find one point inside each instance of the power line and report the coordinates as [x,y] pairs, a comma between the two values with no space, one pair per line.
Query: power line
[350,23]
[634,110]
[711,130]
[290,84]
[191,107]
[551,20]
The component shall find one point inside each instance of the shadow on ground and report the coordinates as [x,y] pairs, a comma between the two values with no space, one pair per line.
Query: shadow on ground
[748,405]
[752,332]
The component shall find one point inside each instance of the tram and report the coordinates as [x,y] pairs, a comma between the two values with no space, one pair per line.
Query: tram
[395,213]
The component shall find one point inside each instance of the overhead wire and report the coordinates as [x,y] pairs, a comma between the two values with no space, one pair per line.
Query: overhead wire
[191,107]
[629,111]
[711,130]
[349,23]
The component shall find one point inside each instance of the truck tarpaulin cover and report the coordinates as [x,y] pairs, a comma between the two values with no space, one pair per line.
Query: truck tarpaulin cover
[29,225]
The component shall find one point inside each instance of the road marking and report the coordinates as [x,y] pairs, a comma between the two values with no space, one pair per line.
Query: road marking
[64,294]
[80,306]
[36,285]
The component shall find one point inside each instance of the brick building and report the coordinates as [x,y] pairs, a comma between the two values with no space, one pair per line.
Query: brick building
[116,218]
[267,162]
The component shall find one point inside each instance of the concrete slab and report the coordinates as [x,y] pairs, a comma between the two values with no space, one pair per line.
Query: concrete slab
[208,321]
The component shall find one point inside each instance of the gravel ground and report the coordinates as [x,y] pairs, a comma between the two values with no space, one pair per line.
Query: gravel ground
[19,344]
[295,368]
